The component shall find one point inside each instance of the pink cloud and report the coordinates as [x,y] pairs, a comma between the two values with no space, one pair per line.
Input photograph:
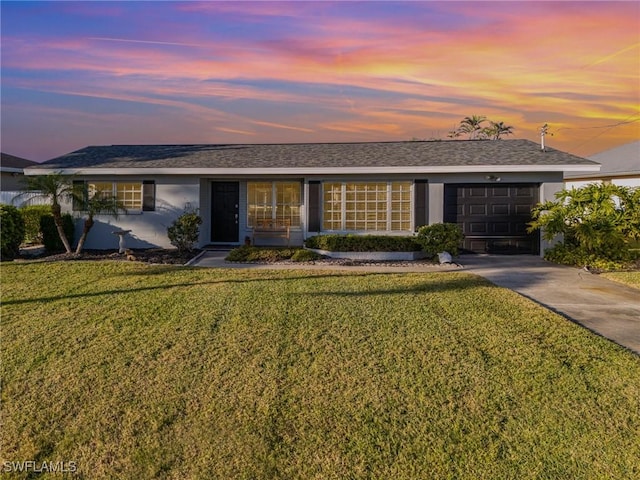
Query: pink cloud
[513,61]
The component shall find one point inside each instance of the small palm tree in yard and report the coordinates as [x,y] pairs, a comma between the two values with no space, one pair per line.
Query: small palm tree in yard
[58,189]
[98,204]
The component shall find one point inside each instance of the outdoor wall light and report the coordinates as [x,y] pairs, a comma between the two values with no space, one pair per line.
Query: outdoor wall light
[493,178]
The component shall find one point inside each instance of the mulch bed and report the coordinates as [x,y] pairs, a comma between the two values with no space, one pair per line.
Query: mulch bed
[152,255]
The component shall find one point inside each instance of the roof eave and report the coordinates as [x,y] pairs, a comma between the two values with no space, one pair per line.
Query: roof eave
[314,170]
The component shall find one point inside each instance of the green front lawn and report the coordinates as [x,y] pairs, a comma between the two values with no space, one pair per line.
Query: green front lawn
[136,371]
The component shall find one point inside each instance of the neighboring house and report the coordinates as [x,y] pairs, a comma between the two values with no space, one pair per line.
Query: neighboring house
[620,166]
[12,176]
[12,184]
[388,188]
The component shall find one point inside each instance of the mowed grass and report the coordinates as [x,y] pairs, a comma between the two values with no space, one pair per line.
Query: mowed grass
[136,371]
[631,279]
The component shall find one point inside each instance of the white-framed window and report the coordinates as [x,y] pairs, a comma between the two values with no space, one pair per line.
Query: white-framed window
[274,201]
[362,206]
[136,196]
[128,194]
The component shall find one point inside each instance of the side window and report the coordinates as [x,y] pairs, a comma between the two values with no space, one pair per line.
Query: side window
[133,196]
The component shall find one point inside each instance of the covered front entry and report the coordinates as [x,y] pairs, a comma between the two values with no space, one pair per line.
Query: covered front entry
[493,216]
[225,210]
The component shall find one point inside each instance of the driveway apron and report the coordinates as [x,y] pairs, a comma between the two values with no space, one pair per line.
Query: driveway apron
[607,308]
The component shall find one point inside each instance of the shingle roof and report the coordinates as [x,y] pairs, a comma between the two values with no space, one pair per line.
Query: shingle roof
[620,161]
[317,155]
[11,161]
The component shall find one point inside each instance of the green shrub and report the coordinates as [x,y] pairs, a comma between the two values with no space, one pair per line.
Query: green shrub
[580,257]
[184,231]
[363,243]
[11,232]
[248,253]
[303,255]
[598,222]
[31,215]
[440,237]
[50,238]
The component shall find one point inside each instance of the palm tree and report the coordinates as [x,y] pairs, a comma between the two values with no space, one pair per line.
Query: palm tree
[472,126]
[57,188]
[98,204]
[497,129]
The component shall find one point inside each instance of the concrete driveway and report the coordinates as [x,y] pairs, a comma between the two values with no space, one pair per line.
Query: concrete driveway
[607,308]
[604,307]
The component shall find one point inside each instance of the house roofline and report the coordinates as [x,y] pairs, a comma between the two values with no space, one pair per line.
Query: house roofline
[314,170]
[601,175]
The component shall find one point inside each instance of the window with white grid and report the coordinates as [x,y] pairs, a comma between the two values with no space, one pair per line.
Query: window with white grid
[367,206]
[401,206]
[128,194]
[332,206]
[276,201]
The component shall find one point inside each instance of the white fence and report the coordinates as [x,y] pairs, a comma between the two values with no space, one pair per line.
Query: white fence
[19,199]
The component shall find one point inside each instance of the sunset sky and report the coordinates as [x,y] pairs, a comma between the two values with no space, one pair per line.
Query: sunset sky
[99,73]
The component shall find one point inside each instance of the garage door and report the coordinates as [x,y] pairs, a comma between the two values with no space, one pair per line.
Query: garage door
[493,217]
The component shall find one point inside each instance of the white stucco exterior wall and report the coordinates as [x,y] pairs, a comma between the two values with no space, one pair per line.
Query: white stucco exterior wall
[436,201]
[148,229]
[548,193]
[633,182]
[175,193]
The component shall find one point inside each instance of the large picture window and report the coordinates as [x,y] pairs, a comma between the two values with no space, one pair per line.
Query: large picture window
[273,201]
[132,196]
[361,206]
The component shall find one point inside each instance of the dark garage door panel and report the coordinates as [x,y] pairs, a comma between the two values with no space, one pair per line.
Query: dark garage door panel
[493,217]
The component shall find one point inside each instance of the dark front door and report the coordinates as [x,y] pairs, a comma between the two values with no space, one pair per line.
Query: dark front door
[225,199]
[493,216]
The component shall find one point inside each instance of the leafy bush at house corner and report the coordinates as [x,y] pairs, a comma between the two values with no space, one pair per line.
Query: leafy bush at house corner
[440,237]
[184,231]
[50,238]
[363,243]
[599,224]
[11,232]
[31,215]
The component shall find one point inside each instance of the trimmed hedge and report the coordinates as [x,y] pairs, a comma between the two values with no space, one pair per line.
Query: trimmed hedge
[363,243]
[11,232]
[50,237]
[248,253]
[577,256]
[31,215]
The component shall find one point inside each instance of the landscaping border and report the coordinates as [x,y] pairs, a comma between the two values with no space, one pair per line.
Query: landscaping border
[371,256]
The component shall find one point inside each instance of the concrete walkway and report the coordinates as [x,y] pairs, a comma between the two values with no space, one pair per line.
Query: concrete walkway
[607,308]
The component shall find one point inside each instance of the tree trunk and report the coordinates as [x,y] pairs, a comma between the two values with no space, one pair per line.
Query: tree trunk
[57,219]
[88,223]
